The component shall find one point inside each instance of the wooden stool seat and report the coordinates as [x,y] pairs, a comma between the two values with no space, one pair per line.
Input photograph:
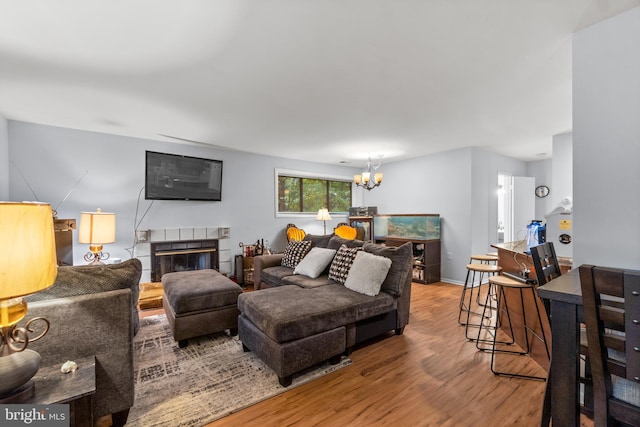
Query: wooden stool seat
[484,258]
[484,268]
[508,282]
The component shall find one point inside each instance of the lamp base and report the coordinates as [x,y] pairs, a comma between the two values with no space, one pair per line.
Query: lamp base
[17,369]
[20,395]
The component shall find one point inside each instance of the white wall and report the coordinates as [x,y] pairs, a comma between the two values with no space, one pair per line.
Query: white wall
[4,160]
[606,142]
[562,170]
[541,171]
[460,185]
[53,159]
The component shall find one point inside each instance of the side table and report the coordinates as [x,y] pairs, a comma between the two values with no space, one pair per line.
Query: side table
[75,388]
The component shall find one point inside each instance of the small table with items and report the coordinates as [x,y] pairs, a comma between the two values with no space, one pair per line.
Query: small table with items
[75,388]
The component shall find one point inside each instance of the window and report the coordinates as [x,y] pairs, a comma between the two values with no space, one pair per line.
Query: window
[300,192]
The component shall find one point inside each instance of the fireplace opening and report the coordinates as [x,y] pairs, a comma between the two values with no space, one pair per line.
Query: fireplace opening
[186,255]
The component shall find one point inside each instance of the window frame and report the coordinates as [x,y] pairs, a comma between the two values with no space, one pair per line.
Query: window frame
[304,174]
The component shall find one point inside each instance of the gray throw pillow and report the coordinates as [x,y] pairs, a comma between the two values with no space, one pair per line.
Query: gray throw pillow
[315,262]
[402,264]
[367,273]
[295,251]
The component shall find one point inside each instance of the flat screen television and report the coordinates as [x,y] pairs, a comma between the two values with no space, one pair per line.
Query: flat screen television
[177,177]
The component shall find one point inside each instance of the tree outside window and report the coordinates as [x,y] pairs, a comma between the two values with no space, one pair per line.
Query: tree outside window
[308,195]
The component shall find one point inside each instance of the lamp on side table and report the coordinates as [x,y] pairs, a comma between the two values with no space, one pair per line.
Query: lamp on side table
[27,265]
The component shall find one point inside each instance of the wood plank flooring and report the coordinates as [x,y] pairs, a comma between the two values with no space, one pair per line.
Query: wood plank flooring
[430,376]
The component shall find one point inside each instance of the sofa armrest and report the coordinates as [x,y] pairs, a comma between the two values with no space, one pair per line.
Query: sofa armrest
[89,279]
[99,325]
[261,262]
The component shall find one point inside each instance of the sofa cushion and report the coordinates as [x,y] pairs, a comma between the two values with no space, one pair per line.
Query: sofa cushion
[308,311]
[273,276]
[367,273]
[307,282]
[342,263]
[401,266]
[336,241]
[315,262]
[295,251]
[318,241]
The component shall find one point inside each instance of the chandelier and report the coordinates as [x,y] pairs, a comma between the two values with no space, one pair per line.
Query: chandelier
[365,180]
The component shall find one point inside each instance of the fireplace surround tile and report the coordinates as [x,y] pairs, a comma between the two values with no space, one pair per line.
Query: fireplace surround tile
[172,234]
[157,235]
[186,234]
[199,233]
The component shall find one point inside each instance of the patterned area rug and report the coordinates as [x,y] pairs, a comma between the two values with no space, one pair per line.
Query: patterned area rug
[210,378]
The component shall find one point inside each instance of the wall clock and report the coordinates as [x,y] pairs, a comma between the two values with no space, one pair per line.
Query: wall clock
[542,191]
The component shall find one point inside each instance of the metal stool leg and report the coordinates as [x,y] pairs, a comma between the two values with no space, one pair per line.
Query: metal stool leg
[528,347]
[482,316]
[493,329]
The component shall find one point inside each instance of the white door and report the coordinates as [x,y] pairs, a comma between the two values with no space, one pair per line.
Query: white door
[524,205]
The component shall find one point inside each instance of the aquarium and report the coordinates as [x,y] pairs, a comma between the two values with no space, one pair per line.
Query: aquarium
[409,227]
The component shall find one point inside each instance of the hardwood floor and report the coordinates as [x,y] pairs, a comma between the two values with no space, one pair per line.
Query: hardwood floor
[430,376]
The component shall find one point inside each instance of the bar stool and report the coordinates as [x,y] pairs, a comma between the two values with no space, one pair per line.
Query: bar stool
[483,259]
[501,283]
[469,286]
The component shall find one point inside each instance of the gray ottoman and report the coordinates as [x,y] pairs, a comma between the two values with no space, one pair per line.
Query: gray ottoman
[200,302]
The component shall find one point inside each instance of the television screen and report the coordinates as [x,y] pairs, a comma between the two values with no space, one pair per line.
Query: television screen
[176,177]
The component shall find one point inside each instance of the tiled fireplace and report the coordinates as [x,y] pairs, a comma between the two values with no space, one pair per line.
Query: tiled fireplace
[186,255]
[179,249]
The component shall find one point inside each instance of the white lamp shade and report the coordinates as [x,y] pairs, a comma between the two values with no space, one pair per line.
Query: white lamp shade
[323,215]
[97,228]
[28,249]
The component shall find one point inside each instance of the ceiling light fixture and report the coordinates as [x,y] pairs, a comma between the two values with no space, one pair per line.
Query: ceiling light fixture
[364,180]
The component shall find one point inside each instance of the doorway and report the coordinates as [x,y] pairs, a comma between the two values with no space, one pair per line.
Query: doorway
[516,206]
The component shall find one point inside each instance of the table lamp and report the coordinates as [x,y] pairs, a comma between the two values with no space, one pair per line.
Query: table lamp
[27,265]
[96,229]
[323,215]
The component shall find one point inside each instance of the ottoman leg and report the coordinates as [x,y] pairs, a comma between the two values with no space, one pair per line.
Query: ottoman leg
[285,381]
[233,332]
[183,343]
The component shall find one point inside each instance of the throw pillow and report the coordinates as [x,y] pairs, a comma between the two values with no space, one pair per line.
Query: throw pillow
[315,262]
[342,263]
[295,251]
[367,273]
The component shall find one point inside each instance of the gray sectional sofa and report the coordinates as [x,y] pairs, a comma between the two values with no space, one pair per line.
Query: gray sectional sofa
[294,321]
[92,310]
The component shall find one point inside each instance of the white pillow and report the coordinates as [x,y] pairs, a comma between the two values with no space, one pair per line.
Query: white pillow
[315,262]
[367,273]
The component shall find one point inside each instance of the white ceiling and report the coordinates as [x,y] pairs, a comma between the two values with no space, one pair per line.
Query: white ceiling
[318,80]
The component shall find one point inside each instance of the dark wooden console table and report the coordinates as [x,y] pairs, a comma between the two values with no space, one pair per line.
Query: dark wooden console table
[75,388]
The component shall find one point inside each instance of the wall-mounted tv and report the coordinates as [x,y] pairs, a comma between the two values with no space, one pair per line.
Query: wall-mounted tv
[176,177]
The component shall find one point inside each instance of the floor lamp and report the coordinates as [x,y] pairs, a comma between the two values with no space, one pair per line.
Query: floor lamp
[323,215]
